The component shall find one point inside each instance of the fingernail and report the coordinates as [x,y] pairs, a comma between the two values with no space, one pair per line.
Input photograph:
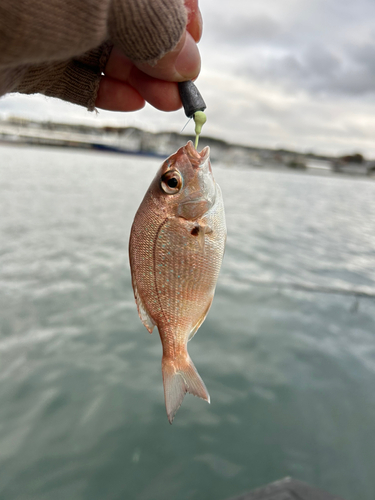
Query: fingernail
[188,62]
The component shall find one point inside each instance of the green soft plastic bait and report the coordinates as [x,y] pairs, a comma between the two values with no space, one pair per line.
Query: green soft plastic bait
[200,119]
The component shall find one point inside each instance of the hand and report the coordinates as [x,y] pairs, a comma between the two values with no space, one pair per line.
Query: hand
[127,85]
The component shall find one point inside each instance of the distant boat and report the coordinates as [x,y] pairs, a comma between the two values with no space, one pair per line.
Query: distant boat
[114,149]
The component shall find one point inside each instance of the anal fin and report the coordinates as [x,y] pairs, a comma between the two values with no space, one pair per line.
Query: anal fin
[195,328]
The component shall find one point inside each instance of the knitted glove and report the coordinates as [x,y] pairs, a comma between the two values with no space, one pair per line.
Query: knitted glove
[145,30]
[42,42]
[76,80]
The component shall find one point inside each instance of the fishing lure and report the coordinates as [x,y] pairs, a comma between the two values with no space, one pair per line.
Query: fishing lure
[194,106]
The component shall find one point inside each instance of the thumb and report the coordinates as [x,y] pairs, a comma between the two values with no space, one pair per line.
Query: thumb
[180,64]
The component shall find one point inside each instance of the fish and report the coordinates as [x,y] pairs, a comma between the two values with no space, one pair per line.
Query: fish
[176,248]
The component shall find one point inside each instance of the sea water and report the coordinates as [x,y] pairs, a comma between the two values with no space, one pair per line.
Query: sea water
[287,351]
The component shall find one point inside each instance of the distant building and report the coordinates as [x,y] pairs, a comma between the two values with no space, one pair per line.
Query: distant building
[351,165]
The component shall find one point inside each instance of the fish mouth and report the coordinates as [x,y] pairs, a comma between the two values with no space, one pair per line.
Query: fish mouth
[198,201]
[200,196]
[197,159]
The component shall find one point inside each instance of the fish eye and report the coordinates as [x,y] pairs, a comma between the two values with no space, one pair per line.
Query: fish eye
[171,182]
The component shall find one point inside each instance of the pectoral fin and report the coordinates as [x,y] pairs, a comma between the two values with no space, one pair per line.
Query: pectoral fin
[199,231]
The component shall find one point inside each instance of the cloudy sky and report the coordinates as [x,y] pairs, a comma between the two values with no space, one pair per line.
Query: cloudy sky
[297,74]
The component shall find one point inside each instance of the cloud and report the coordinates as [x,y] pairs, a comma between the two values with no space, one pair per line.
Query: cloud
[265,115]
[317,70]
[319,47]
[245,29]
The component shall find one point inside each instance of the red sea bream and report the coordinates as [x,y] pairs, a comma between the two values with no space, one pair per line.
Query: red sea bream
[176,249]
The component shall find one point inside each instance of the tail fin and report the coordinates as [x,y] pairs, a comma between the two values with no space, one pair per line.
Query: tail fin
[180,376]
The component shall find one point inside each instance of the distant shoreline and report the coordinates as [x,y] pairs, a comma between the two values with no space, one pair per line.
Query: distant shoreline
[134,141]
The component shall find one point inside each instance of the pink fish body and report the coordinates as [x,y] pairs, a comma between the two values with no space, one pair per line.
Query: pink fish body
[176,249]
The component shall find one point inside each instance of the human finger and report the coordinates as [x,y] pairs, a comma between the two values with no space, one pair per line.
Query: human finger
[115,95]
[118,65]
[194,22]
[182,63]
[160,94]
